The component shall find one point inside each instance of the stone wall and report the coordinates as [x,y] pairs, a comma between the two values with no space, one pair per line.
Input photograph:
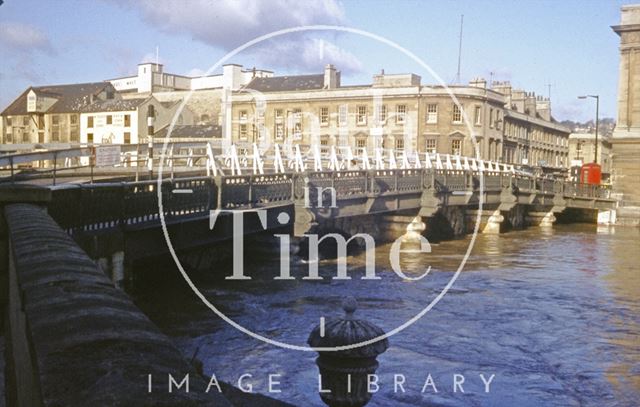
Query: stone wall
[625,143]
[73,338]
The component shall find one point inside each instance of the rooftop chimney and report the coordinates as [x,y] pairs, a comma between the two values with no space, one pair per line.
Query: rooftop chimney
[478,83]
[231,76]
[543,107]
[330,77]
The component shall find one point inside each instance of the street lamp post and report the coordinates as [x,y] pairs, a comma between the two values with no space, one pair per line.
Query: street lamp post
[597,98]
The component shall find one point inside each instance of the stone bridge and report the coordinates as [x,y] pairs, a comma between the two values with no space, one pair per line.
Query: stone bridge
[63,311]
[118,223]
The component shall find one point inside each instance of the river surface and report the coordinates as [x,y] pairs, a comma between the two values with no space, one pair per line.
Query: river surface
[553,314]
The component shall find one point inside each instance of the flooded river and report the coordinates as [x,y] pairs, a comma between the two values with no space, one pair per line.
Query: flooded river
[553,314]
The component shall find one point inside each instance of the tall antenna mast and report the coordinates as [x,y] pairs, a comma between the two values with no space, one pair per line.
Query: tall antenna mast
[157,55]
[460,49]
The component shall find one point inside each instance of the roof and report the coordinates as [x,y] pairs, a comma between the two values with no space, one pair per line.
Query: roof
[192,131]
[525,117]
[287,83]
[170,103]
[71,98]
[113,105]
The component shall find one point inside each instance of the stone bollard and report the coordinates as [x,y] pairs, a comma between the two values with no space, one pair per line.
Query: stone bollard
[344,373]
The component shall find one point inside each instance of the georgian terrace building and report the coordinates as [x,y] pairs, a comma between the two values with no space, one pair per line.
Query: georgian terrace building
[397,111]
[531,135]
[394,111]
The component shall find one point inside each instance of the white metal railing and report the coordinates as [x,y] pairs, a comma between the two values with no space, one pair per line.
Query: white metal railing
[246,158]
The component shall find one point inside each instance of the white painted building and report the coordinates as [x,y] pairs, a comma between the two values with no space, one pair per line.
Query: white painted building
[128,121]
[152,78]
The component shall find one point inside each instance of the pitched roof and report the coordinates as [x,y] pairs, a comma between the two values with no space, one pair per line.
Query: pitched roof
[192,131]
[170,103]
[70,98]
[287,83]
[113,105]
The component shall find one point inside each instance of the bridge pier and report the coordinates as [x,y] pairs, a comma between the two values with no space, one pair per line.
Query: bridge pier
[607,217]
[541,218]
[357,224]
[409,228]
[455,218]
[516,217]
[304,220]
[490,220]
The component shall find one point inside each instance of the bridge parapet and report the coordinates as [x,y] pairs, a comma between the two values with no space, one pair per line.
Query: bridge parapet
[99,207]
[252,191]
[73,338]
[578,190]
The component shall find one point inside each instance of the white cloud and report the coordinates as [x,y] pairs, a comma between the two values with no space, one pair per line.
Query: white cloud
[227,24]
[230,23]
[24,38]
[307,54]
[572,111]
[24,41]
[123,58]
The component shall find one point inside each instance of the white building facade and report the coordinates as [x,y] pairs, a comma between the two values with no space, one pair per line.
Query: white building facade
[128,121]
[152,78]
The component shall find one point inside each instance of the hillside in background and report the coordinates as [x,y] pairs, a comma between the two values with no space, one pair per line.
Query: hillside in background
[605,126]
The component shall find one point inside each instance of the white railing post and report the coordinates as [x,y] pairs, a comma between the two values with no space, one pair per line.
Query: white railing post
[427,161]
[348,157]
[416,160]
[405,161]
[334,165]
[458,163]
[448,163]
[392,160]
[234,162]
[317,158]
[297,160]
[439,165]
[211,161]
[189,159]
[170,158]
[277,160]
[378,159]
[366,165]
[258,164]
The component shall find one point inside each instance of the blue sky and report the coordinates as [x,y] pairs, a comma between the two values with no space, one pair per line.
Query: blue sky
[568,44]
